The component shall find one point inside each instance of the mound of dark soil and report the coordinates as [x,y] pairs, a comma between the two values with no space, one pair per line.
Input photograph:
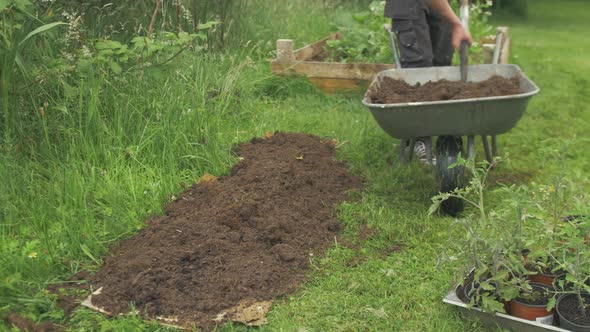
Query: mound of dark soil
[13,320]
[392,91]
[249,235]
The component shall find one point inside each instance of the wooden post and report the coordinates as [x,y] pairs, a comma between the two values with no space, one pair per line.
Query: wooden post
[285,50]
[505,54]
[505,47]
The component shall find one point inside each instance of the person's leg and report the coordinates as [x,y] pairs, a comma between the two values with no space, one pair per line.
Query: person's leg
[410,25]
[440,36]
[415,47]
[413,35]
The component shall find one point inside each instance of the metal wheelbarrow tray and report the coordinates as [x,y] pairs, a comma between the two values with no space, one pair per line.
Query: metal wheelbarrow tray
[463,117]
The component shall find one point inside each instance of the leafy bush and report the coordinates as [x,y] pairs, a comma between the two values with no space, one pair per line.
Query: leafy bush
[365,40]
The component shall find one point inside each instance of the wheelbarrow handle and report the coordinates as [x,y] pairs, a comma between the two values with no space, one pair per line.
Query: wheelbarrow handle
[396,60]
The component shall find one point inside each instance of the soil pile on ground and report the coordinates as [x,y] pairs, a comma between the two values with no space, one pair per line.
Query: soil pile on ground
[392,91]
[13,320]
[249,235]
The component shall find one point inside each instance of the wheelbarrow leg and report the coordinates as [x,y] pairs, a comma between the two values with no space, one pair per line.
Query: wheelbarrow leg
[428,145]
[494,145]
[402,151]
[470,147]
[406,150]
[411,148]
[486,148]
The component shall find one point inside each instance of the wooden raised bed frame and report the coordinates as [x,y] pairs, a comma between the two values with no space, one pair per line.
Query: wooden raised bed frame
[328,76]
[336,76]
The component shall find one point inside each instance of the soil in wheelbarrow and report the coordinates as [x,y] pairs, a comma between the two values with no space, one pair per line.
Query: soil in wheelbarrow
[244,238]
[391,91]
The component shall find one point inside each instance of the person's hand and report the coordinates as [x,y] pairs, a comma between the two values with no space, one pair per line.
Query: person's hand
[459,34]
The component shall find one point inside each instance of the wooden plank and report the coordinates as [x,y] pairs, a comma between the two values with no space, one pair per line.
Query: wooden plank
[362,71]
[331,85]
[313,49]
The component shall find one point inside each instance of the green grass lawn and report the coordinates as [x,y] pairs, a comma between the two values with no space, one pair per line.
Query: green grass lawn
[89,178]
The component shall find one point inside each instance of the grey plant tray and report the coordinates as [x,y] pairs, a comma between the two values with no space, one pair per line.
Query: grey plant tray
[497,320]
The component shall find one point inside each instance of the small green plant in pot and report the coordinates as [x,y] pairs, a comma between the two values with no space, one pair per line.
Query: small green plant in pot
[486,243]
[546,207]
[573,301]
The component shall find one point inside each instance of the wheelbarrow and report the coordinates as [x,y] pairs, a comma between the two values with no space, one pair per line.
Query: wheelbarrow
[451,120]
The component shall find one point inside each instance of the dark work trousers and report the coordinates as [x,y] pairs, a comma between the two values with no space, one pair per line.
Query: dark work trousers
[424,38]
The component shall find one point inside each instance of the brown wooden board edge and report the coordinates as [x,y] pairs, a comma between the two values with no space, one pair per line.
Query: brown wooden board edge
[362,71]
[309,51]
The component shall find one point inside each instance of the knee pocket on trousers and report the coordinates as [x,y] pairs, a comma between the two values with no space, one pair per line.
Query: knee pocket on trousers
[408,42]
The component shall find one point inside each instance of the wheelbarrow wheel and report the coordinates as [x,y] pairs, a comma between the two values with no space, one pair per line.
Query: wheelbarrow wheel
[447,152]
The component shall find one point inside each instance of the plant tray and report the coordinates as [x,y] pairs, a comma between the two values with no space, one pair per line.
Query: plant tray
[496,320]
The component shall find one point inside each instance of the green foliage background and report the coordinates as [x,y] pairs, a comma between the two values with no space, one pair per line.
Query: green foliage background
[512,7]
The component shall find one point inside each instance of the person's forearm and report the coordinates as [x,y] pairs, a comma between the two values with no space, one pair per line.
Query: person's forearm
[442,8]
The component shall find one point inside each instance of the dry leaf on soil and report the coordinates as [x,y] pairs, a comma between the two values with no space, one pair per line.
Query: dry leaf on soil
[249,312]
[207,178]
[331,142]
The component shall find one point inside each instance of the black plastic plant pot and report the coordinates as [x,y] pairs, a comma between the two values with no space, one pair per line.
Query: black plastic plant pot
[467,292]
[468,296]
[570,317]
